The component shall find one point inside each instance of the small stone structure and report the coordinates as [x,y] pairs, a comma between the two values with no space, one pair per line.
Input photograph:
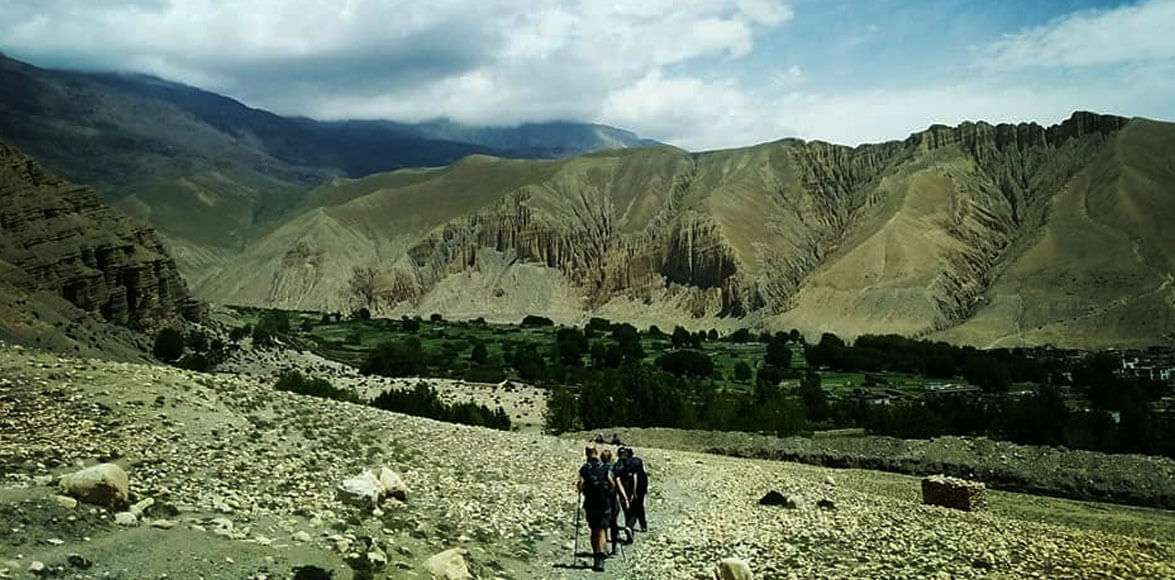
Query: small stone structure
[954,493]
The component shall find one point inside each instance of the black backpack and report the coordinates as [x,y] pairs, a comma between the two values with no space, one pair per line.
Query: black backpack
[596,486]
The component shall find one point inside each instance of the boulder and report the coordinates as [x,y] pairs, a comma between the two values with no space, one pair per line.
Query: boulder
[126,519]
[954,493]
[449,565]
[105,484]
[370,488]
[393,484]
[733,569]
[363,490]
[773,498]
[65,501]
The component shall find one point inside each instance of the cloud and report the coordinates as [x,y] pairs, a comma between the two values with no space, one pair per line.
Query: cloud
[682,71]
[491,62]
[1135,33]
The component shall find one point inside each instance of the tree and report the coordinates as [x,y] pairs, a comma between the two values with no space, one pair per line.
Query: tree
[562,412]
[599,324]
[712,335]
[629,341]
[778,354]
[681,337]
[169,345]
[570,346]
[365,286]
[403,358]
[480,353]
[655,331]
[742,371]
[531,320]
[686,363]
[436,317]
[813,396]
[741,335]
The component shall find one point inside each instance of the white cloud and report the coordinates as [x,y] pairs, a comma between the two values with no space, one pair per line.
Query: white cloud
[1129,34]
[482,62]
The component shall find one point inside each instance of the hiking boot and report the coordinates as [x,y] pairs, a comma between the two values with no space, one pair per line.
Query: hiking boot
[598,564]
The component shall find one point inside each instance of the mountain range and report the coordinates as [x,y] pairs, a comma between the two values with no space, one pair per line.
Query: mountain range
[208,171]
[993,235]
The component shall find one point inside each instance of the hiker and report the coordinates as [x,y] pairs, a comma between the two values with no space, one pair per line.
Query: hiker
[599,438]
[596,484]
[616,440]
[616,498]
[635,481]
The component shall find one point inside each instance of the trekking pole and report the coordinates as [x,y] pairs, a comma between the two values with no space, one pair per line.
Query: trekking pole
[575,545]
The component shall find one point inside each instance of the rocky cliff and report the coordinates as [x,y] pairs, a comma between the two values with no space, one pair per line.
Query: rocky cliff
[915,236]
[66,242]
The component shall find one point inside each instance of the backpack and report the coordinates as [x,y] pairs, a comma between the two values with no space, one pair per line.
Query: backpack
[596,486]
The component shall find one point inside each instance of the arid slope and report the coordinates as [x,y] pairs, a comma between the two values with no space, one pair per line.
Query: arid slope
[1008,234]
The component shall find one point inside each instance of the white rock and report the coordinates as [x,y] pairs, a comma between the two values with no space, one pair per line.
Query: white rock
[733,569]
[449,565]
[105,484]
[126,519]
[65,501]
[141,507]
[363,490]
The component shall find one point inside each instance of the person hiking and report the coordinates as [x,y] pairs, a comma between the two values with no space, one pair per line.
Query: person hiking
[635,481]
[596,484]
[616,498]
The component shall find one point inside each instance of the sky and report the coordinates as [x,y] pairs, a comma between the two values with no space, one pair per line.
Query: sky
[700,74]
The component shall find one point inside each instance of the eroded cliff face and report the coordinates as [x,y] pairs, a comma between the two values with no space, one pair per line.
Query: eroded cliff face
[718,235]
[69,243]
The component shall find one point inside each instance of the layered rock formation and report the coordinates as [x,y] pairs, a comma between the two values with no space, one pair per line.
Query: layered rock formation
[913,237]
[66,242]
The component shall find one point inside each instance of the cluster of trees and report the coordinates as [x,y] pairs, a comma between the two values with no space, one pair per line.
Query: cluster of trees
[1042,418]
[640,395]
[296,382]
[422,401]
[993,370]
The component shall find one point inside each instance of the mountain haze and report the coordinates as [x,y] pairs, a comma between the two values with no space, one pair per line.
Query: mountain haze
[992,235]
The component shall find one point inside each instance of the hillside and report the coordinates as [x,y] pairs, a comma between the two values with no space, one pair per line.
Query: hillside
[207,170]
[990,235]
[239,480]
[78,275]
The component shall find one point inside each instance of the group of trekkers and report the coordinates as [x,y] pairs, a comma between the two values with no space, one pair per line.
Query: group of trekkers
[607,487]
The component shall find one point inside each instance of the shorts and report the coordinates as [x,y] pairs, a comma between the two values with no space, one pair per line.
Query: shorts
[599,516]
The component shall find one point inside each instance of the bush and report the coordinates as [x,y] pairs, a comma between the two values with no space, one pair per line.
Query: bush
[195,362]
[778,354]
[361,314]
[600,324]
[169,345]
[436,317]
[410,325]
[240,332]
[533,321]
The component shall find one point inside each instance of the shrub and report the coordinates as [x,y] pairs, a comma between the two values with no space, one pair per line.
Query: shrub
[436,317]
[194,362]
[169,345]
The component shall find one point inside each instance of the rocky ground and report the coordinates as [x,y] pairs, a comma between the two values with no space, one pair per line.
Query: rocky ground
[243,480]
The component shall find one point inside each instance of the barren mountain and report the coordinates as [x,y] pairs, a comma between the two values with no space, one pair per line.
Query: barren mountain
[74,270]
[993,235]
